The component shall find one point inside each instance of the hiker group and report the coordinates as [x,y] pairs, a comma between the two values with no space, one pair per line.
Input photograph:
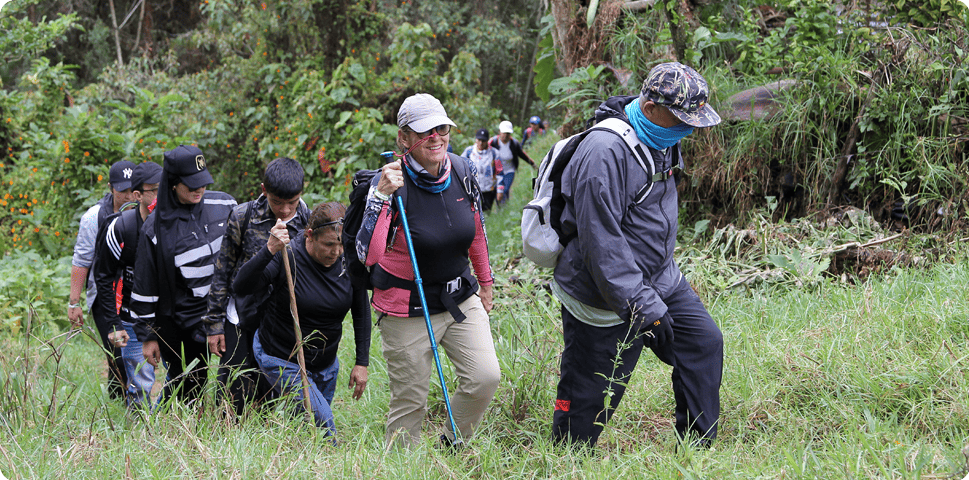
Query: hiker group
[265,285]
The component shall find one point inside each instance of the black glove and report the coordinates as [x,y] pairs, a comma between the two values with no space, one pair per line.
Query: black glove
[657,333]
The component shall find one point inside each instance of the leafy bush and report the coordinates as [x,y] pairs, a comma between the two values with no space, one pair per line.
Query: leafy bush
[33,286]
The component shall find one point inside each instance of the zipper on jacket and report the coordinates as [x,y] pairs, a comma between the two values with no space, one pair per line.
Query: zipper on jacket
[447,214]
[669,228]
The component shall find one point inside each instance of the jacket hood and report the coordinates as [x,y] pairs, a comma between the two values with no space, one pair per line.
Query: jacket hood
[169,209]
[614,107]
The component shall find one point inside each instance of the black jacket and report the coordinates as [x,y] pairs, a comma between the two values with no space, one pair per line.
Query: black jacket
[194,239]
[324,295]
[114,259]
[238,247]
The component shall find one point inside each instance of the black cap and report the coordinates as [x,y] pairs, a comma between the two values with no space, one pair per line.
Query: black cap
[482,134]
[147,172]
[120,175]
[188,164]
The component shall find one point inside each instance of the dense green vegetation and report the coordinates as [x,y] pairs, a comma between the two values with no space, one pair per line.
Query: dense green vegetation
[845,356]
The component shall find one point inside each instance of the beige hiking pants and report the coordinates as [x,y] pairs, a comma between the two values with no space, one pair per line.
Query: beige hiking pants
[410,366]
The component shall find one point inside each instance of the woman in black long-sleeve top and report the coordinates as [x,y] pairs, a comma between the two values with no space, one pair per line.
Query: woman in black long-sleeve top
[324,295]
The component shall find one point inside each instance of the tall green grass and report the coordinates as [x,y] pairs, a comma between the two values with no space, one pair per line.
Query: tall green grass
[839,380]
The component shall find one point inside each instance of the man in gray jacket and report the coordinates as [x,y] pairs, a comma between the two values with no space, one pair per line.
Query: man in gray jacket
[620,288]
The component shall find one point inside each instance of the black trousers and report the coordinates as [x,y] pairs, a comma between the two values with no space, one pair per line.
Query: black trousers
[117,376]
[488,199]
[590,369]
[240,379]
[179,348]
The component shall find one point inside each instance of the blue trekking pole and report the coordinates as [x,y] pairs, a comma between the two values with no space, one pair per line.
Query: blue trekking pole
[427,318]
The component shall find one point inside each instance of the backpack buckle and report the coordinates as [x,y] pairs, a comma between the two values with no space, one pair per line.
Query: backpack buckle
[453,285]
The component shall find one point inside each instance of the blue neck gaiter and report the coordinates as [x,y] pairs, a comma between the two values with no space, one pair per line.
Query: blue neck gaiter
[653,135]
[426,181]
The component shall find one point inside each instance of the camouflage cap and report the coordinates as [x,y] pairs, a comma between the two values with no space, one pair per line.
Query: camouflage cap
[682,90]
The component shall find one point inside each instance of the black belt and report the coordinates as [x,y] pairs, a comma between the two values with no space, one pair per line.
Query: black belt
[442,291]
[447,289]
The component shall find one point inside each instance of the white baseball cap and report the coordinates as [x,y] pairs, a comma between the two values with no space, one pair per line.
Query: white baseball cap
[422,112]
[506,127]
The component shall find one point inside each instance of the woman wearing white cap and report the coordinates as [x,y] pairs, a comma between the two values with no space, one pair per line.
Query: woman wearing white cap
[444,216]
[509,151]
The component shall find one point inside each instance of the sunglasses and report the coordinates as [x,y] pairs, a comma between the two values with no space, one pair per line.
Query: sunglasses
[440,130]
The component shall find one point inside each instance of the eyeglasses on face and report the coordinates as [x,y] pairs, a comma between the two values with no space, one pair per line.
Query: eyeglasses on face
[441,130]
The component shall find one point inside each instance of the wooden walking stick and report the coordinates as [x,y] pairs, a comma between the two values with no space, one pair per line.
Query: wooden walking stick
[300,358]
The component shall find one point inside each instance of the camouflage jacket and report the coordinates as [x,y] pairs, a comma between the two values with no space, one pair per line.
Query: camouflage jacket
[237,248]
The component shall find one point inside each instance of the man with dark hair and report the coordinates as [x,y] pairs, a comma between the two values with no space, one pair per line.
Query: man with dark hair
[620,288]
[231,320]
[114,262]
[119,180]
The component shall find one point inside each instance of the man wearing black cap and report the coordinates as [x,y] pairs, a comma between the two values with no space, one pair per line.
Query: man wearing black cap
[114,263]
[621,290]
[487,168]
[119,180]
[177,248]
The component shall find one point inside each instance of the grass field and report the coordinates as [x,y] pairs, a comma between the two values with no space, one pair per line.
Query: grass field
[838,380]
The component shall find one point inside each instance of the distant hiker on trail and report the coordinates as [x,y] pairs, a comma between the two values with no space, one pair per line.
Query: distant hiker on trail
[119,181]
[448,232]
[487,165]
[324,295]
[535,128]
[617,279]
[173,273]
[115,255]
[232,319]
[509,150]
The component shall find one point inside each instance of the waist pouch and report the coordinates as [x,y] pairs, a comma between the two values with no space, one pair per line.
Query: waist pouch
[440,297]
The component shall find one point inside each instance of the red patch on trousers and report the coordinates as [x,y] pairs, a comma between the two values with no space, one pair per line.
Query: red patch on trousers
[563,405]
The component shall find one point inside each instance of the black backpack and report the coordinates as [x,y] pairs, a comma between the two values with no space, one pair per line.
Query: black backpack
[353,217]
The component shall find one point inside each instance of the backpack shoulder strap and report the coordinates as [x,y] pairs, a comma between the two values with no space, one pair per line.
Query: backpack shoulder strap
[640,152]
[461,167]
[245,227]
[130,230]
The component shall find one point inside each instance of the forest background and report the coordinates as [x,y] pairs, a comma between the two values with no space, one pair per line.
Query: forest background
[853,140]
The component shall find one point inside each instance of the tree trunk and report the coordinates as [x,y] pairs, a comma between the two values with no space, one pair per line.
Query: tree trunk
[683,23]
[526,102]
[117,40]
[141,21]
[528,91]
[563,11]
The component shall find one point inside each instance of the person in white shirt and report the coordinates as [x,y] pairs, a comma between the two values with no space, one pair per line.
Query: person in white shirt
[487,168]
